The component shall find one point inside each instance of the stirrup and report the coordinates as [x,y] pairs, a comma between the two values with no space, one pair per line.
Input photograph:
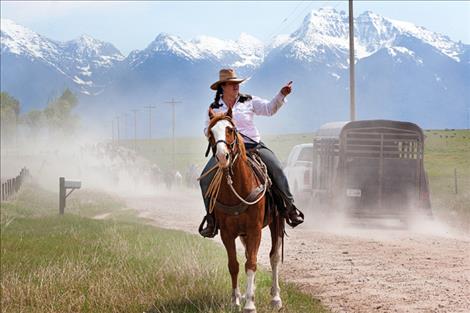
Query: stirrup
[292,223]
[204,231]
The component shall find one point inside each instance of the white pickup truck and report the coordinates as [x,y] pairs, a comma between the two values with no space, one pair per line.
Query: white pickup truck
[299,170]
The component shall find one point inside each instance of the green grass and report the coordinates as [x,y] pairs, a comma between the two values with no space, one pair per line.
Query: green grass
[447,151]
[191,150]
[72,263]
[36,202]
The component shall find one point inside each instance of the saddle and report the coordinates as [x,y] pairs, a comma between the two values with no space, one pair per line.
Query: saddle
[275,202]
[259,169]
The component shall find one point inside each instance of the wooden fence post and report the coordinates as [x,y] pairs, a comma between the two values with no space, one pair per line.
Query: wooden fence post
[12,186]
[9,188]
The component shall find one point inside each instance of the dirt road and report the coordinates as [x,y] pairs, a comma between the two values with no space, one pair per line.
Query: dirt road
[350,268]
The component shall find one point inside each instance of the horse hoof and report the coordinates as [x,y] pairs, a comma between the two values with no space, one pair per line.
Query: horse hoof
[276,304]
[236,304]
[249,310]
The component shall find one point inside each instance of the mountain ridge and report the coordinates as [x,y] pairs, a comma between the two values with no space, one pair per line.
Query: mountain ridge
[315,56]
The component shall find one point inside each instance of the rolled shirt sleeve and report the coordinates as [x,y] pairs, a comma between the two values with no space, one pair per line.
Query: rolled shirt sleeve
[268,108]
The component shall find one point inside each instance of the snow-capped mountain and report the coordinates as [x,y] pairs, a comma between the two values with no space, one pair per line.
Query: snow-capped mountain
[403,71]
[246,52]
[82,64]
[19,40]
[326,31]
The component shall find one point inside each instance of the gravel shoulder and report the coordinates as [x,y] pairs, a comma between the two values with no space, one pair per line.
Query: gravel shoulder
[351,268]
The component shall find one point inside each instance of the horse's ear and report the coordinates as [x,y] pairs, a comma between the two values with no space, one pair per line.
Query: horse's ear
[229,112]
[211,113]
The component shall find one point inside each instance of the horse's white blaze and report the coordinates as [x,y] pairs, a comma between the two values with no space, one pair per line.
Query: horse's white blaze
[222,153]
[250,290]
[275,261]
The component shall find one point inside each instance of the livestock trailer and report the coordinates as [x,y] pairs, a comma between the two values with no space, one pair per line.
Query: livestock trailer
[370,168]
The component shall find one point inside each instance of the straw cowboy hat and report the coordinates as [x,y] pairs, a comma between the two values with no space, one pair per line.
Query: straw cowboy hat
[226,75]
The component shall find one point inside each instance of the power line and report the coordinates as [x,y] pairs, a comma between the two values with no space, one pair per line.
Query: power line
[126,128]
[118,135]
[150,107]
[283,21]
[305,10]
[135,128]
[112,131]
[173,102]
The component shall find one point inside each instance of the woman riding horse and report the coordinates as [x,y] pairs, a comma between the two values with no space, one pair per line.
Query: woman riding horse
[244,107]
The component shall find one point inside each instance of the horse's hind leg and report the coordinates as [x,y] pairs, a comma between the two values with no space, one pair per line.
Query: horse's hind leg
[233,267]
[275,259]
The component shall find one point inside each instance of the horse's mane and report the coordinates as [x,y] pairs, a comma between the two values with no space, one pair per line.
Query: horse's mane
[222,116]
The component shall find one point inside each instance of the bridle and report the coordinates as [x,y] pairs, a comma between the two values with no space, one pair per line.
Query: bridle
[234,145]
[214,187]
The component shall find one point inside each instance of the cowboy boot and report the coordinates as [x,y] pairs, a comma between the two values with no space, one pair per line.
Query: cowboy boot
[294,215]
[210,230]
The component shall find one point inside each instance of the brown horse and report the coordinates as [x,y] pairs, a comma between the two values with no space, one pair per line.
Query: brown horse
[239,202]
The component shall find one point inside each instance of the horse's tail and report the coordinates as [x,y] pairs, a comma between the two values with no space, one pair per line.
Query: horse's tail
[277,227]
[282,230]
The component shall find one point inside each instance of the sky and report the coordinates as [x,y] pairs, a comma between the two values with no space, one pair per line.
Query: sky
[134,25]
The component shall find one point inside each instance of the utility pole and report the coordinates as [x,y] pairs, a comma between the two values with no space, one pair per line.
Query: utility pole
[112,131]
[150,107]
[173,102]
[352,95]
[135,128]
[118,135]
[125,134]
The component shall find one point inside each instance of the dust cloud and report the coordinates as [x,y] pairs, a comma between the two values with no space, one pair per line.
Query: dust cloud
[335,219]
[87,156]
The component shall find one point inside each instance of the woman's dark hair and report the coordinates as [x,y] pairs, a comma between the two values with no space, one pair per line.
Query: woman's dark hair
[219,92]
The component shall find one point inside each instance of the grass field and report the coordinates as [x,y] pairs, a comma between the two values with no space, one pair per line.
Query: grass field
[191,150]
[445,151]
[73,263]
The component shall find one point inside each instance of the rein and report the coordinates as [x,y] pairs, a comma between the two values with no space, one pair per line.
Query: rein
[264,186]
[214,187]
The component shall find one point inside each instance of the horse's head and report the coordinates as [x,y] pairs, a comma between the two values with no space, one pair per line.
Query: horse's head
[224,138]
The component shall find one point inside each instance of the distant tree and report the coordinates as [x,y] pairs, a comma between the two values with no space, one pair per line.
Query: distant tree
[58,114]
[9,112]
[34,120]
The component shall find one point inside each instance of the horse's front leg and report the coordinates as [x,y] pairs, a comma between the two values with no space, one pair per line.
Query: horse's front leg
[233,267]
[252,245]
